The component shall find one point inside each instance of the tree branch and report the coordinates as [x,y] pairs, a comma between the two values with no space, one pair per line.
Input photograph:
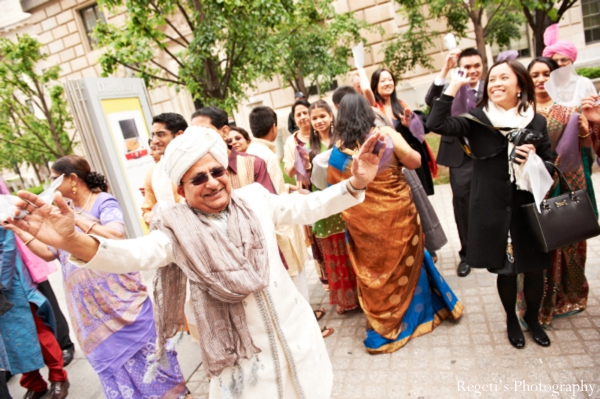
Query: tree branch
[186,17]
[149,74]
[293,85]
[169,23]
[164,68]
[492,19]
[71,141]
[48,116]
[21,145]
[230,65]
[34,132]
[564,7]
[528,15]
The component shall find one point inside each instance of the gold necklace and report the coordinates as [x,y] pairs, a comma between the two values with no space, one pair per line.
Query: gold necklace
[84,205]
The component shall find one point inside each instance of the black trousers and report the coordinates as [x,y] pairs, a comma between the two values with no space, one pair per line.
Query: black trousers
[62,327]
[4,394]
[460,183]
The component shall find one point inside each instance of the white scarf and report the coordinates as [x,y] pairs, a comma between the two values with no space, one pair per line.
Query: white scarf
[532,175]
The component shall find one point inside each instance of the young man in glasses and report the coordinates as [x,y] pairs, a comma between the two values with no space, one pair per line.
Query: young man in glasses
[157,188]
[259,338]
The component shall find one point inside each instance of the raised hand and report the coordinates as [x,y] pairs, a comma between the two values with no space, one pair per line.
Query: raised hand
[459,79]
[450,62]
[591,108]
[54,226]
[366,162]
[405,119]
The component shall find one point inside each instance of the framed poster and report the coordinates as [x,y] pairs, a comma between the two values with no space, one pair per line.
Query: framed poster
[113,116]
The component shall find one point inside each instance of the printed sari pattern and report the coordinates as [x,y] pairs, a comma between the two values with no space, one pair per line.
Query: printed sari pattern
[113,320]
[386,249]
[565,285]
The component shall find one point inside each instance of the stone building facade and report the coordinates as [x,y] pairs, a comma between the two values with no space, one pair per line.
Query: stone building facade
[62,27]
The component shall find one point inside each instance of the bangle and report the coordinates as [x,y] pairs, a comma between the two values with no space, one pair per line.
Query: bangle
[584,137]
[91,227]
[354,190]
[28,241]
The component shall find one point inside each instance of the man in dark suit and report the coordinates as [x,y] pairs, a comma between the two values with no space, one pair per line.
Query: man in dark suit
[451,153]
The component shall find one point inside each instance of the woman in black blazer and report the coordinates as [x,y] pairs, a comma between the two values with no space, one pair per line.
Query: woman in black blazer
[497,227]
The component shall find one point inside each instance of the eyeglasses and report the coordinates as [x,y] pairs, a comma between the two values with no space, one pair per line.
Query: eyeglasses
[236,138]
[160,135]
[202,178]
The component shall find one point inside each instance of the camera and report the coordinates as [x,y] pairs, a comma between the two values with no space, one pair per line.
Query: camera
[522,136]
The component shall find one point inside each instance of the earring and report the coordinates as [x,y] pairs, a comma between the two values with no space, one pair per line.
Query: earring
[519,95]
[331,129]
[74,189]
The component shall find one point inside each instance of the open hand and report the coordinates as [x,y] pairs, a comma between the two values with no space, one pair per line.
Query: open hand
[451,60]
[591,108]
[366,163]
[459,79]
[53,226]
[405,119]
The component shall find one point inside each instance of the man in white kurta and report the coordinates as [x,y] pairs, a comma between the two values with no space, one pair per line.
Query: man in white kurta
[293,361]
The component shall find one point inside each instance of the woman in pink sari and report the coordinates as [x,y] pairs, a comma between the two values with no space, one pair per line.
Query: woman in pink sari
[112,314]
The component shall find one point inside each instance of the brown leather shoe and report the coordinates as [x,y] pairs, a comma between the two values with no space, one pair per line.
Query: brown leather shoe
[33,394]
[59,390]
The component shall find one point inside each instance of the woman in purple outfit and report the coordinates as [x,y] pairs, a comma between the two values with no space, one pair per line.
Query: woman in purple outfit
[111,314]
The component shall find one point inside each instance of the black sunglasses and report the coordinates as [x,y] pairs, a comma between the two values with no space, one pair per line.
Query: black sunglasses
[202,177]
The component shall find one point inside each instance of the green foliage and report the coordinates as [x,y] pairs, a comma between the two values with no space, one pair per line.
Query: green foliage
[314,43]
[34,119]
[218,49]
[36,189]
[410,47]
[589,72]
[215,48]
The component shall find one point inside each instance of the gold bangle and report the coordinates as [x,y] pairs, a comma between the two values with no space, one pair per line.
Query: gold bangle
[584,137]
[91,227]
[31,239]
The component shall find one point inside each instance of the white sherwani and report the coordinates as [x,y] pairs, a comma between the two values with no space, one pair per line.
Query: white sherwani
[293,362]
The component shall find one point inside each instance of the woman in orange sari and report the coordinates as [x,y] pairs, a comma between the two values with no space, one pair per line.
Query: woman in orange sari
[400,290]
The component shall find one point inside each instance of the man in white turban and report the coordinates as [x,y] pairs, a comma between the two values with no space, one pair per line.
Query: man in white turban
[258,336]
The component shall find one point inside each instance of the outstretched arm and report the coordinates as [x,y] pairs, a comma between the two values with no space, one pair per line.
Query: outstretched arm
[55,226]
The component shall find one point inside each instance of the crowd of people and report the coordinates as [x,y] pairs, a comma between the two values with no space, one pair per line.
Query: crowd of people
[236,252]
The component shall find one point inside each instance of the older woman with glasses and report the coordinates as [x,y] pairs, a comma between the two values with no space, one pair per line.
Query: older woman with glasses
[112,313]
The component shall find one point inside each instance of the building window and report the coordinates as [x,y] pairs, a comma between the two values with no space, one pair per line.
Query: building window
[90,16]
[521,45]
[591,20]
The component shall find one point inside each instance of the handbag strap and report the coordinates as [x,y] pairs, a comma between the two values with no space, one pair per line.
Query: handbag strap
[561,176]
[465,145]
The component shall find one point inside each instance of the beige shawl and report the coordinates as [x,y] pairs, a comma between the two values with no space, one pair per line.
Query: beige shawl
[222,272]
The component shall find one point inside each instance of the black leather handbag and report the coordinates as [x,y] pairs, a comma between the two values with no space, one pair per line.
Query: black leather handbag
[564,219]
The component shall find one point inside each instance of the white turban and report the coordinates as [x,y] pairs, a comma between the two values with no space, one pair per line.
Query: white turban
[186,149]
